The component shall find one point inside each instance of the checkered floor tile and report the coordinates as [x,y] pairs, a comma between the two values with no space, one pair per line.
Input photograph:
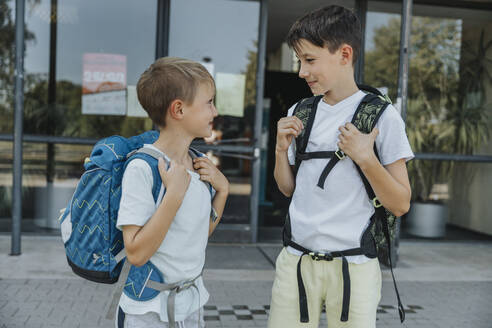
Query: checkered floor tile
[237,312]
[252,312]
[391,308]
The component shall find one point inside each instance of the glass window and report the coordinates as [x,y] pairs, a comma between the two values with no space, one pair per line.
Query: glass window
[5,183]
[382,51]
[449,101]
[80,72]
[448,80]
[42,197]
[7,64]
[80,67]
[449,110]
[222,35]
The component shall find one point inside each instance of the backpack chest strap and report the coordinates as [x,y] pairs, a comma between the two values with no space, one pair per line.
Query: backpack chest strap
[334,156]
[365,118]
[315,154]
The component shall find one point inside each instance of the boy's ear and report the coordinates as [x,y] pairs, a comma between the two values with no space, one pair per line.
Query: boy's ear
[176,109]
[346,53]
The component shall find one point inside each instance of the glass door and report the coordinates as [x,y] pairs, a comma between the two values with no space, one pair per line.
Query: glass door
[223,35]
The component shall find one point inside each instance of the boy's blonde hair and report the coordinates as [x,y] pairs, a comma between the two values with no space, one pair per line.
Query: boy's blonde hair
[168,79]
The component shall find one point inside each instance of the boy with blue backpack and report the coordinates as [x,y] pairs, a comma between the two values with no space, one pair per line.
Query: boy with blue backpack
[172,233]
[145,206]
[341,155]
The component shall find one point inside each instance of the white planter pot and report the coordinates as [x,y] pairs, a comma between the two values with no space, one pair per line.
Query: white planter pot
[48,202]
[427,220]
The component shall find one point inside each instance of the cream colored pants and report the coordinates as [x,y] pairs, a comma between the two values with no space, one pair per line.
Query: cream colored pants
[324,285]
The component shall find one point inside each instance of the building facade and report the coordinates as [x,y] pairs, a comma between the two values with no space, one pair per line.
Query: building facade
[83,59]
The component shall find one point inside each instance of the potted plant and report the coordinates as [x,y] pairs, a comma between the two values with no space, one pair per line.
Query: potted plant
[428,134]
[434,72]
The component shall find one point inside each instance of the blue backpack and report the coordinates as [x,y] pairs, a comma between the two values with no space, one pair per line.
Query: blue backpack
[93,245]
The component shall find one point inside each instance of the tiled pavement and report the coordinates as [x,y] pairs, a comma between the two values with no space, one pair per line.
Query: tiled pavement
[442,285]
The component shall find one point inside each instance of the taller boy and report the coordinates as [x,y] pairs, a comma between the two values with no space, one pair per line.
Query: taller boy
[332,218]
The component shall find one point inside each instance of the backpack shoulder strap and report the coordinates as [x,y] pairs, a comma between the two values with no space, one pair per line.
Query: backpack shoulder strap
[365,119]
[150,156]
[369,111]
[305,110]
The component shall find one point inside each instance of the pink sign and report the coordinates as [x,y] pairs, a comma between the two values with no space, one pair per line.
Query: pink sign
[103,72]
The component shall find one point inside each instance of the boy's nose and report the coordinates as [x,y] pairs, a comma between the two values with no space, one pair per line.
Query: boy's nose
[303,74]
[215,112]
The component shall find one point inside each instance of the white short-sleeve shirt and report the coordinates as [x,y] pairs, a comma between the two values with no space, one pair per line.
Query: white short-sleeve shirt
[334,218]
[181,255]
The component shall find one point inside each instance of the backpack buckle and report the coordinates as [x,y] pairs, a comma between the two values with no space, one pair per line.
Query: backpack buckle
[184,286]
[340,154]
[321,256]
[376,203]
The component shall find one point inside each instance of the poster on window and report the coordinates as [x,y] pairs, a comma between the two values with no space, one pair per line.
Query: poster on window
[104,84]
[230,90]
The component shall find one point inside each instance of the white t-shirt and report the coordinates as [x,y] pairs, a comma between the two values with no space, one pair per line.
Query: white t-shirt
[181,255]
[334,218]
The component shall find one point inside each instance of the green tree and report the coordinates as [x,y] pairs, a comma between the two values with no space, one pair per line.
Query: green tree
[381,64]
[433,90]
[7,64]
[250,88]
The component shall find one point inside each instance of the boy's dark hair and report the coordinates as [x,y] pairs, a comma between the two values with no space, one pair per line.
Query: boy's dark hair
[168,79]
[330,26]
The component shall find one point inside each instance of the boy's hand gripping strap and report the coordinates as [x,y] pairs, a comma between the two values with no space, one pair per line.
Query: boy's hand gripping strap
[193,154]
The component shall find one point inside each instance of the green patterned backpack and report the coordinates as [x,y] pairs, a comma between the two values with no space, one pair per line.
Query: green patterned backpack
[379,237]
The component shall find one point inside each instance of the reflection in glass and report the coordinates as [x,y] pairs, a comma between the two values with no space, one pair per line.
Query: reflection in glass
[382,37]
[65,33]
[222,34]
[6,149]
[7,63]
[64,42]
[41,200]
[449,104]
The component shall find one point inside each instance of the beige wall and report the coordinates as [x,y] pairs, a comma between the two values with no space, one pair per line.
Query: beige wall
[471,204]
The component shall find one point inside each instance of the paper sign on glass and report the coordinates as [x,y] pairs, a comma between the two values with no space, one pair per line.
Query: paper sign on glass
[104,84]
[230,94]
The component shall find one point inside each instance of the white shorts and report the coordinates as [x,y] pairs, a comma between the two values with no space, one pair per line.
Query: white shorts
[152,320]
